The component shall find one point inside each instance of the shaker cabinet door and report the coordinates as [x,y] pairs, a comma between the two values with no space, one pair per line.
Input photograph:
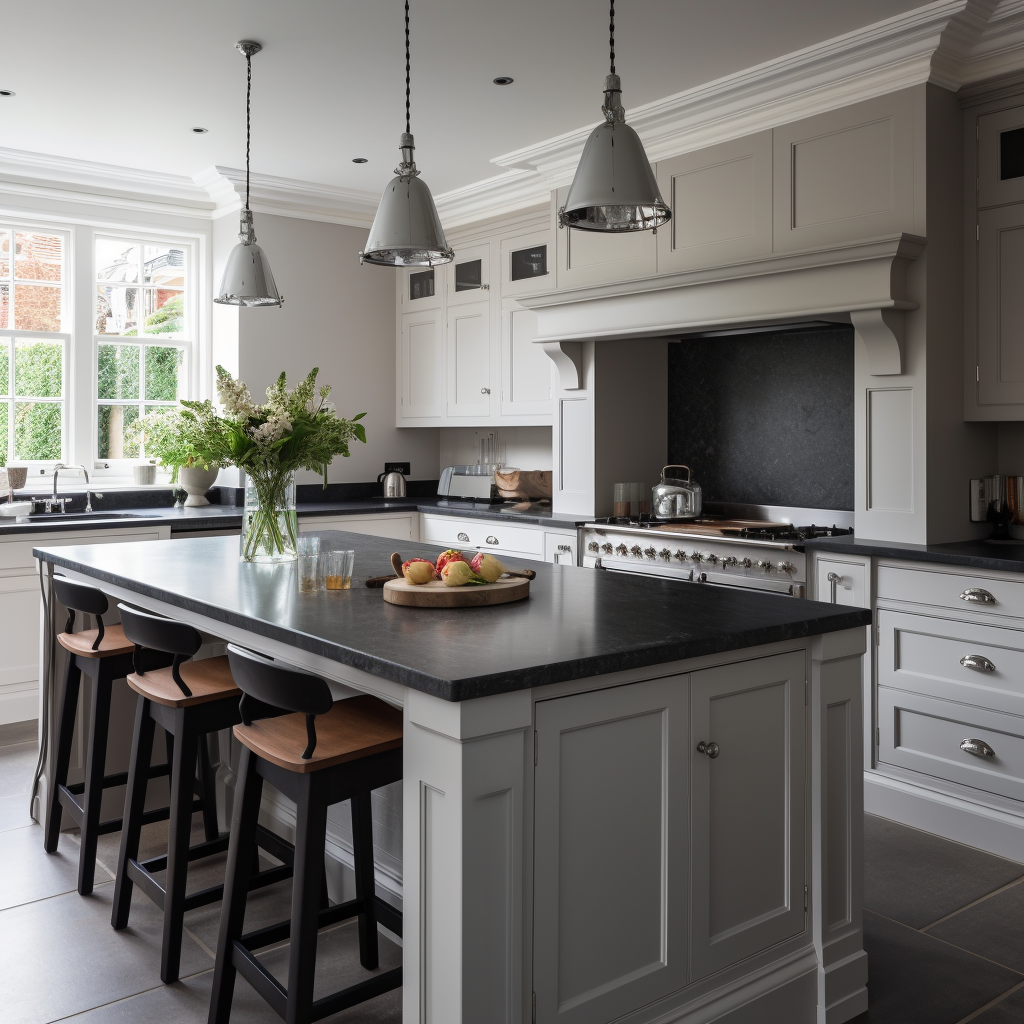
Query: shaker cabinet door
[527,372]
[421,367]
[747,809]
[610,864]
[469,360]
[1001,306]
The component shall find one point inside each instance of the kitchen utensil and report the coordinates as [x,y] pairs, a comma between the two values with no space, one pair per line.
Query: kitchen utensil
[437,595]
[675,497]
[393,484]
[338,567]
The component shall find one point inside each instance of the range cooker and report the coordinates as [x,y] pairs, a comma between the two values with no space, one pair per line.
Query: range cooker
[760,550]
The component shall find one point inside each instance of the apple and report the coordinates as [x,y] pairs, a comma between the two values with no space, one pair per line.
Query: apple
[451,555]
[457,572]
[418,571]
[487,566]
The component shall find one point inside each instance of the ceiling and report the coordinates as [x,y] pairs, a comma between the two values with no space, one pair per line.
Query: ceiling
[125,84]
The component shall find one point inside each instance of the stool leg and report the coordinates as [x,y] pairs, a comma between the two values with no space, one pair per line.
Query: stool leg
[307,884]
[65,737]
[244,819]
[209,790]
[95,767]
[134,806]
[183,769]
[362,848]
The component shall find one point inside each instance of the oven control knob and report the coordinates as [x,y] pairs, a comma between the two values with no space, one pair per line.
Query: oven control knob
[666,554]
[745,563]
[606,548]
[710,557]
[787,567]
[636,551]
[765,565]
[593,546]
[694,556]
[650,553]
[729,561]
[622,551]
[680,555]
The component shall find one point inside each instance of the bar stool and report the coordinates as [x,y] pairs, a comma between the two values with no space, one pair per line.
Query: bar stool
[104,655]
[322,753]
[189,699]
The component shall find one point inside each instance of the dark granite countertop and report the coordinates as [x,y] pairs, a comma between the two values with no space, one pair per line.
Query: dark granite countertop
[224,517]
[576,623]
[975,554]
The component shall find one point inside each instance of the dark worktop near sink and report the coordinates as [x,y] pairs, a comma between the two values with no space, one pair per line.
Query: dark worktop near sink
[974,554]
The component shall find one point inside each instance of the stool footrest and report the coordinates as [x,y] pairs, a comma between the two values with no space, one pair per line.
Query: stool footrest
[146,882]
[260,978]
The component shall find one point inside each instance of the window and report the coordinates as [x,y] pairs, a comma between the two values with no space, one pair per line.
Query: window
[33,344]
[144,336]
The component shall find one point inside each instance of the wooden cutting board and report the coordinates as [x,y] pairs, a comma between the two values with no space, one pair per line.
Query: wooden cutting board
[437,595]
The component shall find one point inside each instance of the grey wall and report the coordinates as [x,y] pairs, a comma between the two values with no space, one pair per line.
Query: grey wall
[766,418]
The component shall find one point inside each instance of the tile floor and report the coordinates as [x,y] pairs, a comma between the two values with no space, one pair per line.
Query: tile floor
[943,925]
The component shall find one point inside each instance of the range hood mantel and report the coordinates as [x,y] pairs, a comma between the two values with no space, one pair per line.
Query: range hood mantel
[866,279]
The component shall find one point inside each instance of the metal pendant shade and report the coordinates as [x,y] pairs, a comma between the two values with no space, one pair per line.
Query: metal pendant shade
[248,279]
[407,231]
[614,188]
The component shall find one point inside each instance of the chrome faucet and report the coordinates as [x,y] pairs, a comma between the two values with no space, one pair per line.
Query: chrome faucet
[55,502]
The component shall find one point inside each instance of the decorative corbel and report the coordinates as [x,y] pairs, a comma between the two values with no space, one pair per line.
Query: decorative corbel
[882,333]
[568,357]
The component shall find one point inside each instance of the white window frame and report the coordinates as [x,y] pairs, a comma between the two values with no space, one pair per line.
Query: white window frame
[10,334]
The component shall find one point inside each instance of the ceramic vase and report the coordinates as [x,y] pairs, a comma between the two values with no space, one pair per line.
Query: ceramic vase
[196,481]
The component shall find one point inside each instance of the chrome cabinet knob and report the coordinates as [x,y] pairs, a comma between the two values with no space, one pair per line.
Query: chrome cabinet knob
[680,555]
[666,554]
[978,662]
[787,567]
[464,538]
[636,551]
[976,595]
[622,551]
[568,547]
[765,566]
[606,548]
[492,540]
[729,561]
[592,546]
[485,391]
[711,749]
[650,553]
[745,563]
[979,748]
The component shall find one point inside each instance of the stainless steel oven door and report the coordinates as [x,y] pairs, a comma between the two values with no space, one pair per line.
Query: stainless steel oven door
[653,571]
[751,584]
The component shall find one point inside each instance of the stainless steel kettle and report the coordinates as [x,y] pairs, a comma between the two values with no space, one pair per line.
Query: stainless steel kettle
[394,484]
[674,497]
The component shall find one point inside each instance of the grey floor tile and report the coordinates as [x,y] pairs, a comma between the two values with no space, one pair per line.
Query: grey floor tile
[68,959]
[19,732]
[14,812]
[30,873]
[262,908]
[914,978]
[1007,1011]
[993,928]
[17,765]
[916,878]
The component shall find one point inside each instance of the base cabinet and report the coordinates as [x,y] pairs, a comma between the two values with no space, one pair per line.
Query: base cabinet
[656,864]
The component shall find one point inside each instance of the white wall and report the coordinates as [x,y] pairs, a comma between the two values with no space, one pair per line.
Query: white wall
[525,447]
[337,315]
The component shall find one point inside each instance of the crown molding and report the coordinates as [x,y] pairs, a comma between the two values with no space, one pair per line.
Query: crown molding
[287,197]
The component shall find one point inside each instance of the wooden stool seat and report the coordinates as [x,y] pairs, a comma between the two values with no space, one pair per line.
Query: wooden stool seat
[352,729]
[208,680]
[114,642]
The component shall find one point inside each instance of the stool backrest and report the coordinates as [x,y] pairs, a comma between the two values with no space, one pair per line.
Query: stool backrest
[270,683]
[160,634]
[81,598]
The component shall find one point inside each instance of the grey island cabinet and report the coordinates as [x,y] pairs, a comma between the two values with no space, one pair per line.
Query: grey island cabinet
[623,798]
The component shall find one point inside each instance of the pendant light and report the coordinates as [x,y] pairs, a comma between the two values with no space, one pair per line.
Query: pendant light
[407,231]
[614,188]
[248,280]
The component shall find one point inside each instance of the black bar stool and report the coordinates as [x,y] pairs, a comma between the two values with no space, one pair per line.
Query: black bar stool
[103,655]
[189,699]
[323,753]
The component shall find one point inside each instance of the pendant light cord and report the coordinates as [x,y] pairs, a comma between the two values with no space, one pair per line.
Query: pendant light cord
[408,90]
[248,117]
[611,34]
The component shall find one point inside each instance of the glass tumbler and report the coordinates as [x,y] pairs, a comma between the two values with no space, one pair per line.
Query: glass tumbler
[308,544]
[620,504]
[338,566]
[309,573]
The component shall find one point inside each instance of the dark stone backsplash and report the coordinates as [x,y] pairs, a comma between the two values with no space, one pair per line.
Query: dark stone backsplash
[765,418]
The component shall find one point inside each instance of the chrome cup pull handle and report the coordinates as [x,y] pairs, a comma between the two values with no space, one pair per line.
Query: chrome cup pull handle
[492,540]
[979,748]
[978,662]
[464,538]
[711,749]
[975,595]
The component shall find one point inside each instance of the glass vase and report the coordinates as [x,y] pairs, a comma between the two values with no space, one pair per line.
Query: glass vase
[270,525]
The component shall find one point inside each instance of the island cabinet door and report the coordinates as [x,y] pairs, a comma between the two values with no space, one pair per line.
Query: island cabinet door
[610,867]
[747,727]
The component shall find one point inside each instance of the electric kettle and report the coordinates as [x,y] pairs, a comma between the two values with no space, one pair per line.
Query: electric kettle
[394,484]
[674,497]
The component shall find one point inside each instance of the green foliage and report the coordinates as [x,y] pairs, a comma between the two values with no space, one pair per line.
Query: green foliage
[37,430]
[38,373]
[168,319]
[187,436]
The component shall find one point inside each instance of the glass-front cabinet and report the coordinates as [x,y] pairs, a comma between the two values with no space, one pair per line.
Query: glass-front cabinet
[469,274]
[527,264]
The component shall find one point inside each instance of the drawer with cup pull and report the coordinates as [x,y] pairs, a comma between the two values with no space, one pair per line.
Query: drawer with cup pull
[969,662]
[482,534]
[970,746]
[967,592]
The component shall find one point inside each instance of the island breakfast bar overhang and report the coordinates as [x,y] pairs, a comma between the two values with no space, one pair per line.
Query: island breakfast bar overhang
[568,854]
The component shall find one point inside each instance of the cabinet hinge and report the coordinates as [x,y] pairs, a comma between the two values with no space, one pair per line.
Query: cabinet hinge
[977,184]
[977,131]
[533,1014]
[977,232]
[807,692]
[977,373]
[535,745]
[805,897]
[878,737]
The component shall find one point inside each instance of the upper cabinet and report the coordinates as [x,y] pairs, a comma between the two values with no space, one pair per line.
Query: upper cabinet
[1000,147]
[721,202]
[469,274]
[527,264]
[421,288]
[848,174]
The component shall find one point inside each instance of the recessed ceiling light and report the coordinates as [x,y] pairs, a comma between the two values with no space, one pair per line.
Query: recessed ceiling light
[7,92]
[200,131]
[503,80]
[359,160]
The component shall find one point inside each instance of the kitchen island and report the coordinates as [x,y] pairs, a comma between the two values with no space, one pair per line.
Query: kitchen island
[621,797]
